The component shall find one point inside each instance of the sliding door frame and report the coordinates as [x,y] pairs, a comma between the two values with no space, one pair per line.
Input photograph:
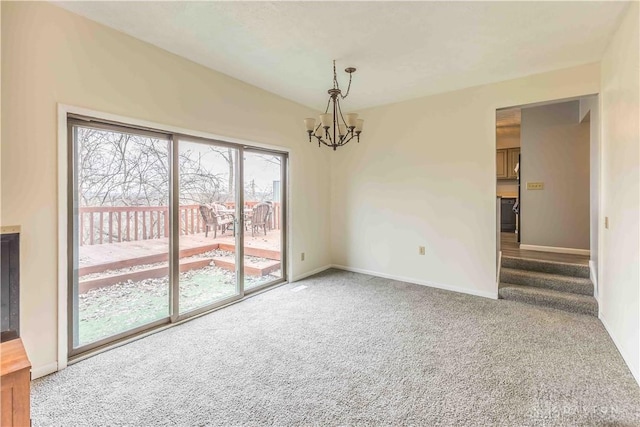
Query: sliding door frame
[68,116]
[238,227]
[284,168]
[72,236]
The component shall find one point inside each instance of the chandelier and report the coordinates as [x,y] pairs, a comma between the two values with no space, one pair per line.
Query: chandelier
[335,129]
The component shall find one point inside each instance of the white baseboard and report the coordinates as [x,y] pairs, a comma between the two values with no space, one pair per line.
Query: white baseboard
[625,356]
[594,279]
[41,371]
[311,273]
[555,249]
[485,294]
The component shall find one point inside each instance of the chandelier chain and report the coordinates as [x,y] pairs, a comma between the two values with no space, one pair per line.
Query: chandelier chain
[336,85]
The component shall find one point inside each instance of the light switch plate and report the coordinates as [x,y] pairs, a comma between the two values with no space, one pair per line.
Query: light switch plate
[535,185]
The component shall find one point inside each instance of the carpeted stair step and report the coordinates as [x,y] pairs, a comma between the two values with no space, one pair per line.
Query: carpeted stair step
[556,282]
[574,303]
[551,267]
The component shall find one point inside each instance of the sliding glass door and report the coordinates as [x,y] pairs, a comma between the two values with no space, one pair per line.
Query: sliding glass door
[264,232]
[165,226]
[120,226]
[208,224]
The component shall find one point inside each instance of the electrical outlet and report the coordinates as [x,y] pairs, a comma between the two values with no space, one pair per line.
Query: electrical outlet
[535,185]
[421,250]
[606,222]
[302,256]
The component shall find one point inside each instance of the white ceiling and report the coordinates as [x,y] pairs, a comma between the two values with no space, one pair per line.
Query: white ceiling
[402,50]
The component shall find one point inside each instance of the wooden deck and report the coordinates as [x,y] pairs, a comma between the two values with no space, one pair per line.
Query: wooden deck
[111,256]
[510,247]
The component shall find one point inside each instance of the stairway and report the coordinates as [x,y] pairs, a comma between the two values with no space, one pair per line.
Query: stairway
[559,285]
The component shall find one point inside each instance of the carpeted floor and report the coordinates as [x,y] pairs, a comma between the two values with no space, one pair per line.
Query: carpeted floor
[352,349]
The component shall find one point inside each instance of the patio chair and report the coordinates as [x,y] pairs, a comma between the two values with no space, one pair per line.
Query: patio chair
[213,220]
[270,216]
[225,216]
[258,218]
[219,207]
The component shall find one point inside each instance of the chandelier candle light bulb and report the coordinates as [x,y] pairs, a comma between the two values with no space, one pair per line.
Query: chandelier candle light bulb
[351,119]
[310,124]
[326,120]
[335,130]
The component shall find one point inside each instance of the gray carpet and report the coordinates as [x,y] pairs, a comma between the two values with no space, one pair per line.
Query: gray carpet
[559,285]
[352,349]
[545,266]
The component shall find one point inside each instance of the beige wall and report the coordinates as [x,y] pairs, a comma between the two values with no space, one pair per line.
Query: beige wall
[619,282]
[555,151]
[424,174]
[51,56]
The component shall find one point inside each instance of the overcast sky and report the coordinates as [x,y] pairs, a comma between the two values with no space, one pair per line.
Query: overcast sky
[256,166]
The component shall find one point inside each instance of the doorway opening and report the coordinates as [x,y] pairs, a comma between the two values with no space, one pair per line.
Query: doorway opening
[547,169]
[546,175]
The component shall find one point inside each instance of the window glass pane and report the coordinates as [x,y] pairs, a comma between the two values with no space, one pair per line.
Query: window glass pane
[207,224]
[263,218]
[121,230]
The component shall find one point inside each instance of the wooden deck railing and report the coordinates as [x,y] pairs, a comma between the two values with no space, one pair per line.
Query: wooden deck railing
[112,224]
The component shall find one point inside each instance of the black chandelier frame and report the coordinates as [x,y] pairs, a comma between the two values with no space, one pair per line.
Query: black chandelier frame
[322,133]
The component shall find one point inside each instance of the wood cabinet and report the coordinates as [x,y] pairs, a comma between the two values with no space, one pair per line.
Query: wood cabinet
[15,373]
[506,161]
[501,164]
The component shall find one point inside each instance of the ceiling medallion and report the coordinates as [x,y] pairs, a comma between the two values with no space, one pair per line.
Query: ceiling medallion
[335,129]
